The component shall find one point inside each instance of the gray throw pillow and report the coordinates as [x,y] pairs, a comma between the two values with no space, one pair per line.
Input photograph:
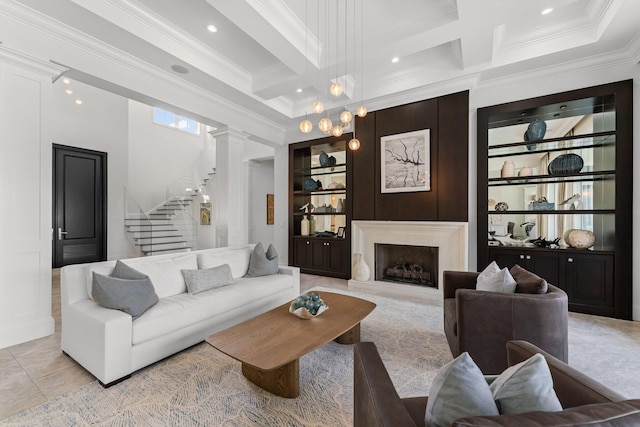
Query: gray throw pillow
[261,263]
[210,278]
[134,297]
[526,387]
[123,271]
[458,390]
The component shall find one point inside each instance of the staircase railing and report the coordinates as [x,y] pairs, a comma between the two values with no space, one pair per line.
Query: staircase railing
[186,224]
[136,222]
[193,187]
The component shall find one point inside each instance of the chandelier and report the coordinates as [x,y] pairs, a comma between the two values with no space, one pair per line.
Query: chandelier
[345,118]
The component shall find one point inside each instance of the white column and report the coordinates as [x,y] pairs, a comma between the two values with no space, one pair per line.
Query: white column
[230,197]
[25,192]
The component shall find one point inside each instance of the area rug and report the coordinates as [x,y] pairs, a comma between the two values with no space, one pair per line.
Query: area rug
[203,387]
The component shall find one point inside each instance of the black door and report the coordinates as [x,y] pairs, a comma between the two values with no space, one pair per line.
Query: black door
[79,206]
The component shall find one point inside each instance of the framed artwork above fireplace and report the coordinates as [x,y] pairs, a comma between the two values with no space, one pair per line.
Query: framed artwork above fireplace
[405,165]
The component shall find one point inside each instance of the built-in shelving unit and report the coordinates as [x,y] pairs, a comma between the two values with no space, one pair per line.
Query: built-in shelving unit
[326,248]
[535,200]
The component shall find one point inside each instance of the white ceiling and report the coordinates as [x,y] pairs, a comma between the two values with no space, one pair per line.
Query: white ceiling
[261,53]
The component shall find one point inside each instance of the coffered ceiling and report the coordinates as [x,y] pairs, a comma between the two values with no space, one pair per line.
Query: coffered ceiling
[263,63]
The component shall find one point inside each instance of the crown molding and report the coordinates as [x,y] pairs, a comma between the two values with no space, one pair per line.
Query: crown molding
[31,63]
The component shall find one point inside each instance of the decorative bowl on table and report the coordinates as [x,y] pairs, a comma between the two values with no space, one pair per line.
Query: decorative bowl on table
[308,306]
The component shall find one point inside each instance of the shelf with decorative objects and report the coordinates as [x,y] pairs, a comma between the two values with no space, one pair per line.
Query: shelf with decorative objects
[553,177]
[320,210]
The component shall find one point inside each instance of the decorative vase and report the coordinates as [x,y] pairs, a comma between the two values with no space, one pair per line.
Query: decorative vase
[508,169]
[310,184]
[304,226]
[579,239]
[525,171]
[502,206]
[536,130]
[340,206]
[324,159]
[361,270]
[565,163]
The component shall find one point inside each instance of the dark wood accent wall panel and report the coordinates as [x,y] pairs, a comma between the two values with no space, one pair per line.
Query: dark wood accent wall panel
[448,119]
[363,170]
[418,206]
[453,157]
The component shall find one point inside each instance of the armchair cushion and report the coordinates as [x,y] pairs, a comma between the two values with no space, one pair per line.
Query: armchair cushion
[525,387]
[458,390]
[527,282]
[499,281]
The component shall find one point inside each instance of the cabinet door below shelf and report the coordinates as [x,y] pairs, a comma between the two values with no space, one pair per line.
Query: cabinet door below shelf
[590,281]
[303,253]
[548,265]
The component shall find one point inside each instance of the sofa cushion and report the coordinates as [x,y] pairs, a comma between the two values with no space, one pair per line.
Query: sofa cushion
[104,268]
[458,390]
[261,263]
[185,310]
[238,260]
[527,282]
[525,387]
[500,281]
[165,274]
[133,296]
[210,278]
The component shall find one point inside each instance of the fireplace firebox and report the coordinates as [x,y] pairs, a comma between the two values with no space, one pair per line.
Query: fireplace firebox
[407,264]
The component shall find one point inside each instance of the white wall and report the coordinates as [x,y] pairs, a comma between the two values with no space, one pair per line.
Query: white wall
[158,155]
[101,124]
[260,184]
[25,191]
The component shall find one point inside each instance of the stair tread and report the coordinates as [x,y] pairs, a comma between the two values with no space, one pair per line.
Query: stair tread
[161,243]
[186,249]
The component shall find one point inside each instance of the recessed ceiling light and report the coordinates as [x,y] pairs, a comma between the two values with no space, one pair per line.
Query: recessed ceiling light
[78,101]
[179,69]
[547,11]
[299,90]
[66,81]
[395,59]
[212,28]
[69,91]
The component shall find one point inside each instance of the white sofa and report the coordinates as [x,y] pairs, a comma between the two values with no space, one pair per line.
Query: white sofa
[110,345]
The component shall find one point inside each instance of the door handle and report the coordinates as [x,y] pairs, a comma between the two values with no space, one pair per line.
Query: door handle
[61,233]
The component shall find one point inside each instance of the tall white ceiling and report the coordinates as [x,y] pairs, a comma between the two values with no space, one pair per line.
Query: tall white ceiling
[265,50]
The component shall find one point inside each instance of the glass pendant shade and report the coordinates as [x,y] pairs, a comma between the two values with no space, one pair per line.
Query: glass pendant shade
[354,144]
[318,107]
[346,116]
[361,111]
[336,89]
[336,130]
[306,126]
[325,125]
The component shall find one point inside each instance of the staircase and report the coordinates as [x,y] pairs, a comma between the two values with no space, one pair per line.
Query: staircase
[162,230]
[170,227]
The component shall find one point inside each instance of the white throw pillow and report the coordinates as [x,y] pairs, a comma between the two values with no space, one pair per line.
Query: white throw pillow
[502,281]
[458,390]
[526,387]
[166,275]
[487,272]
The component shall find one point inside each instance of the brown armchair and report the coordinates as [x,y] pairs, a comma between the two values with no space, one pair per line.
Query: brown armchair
[481,322]
[585,401]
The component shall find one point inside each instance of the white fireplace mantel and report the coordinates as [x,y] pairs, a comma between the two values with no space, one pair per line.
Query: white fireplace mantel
[451,239]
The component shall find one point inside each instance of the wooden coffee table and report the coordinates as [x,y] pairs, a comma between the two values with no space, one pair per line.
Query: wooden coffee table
[270,345]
